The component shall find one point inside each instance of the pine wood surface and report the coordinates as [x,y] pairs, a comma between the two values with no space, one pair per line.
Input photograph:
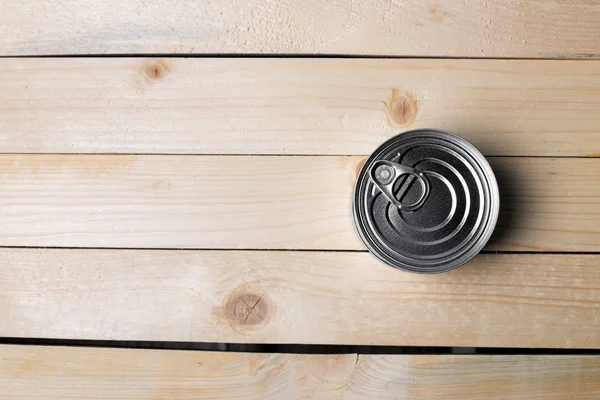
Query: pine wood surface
[97,373]
[497,300]
[455,28]
[294,106]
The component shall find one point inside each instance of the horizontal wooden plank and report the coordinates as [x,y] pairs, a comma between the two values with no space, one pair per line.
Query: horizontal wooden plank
[65,373]
[266,202]
[497,300]
[294,106]
[481,28]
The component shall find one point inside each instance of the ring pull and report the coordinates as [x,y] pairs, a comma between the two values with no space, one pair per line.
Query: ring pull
[384,175]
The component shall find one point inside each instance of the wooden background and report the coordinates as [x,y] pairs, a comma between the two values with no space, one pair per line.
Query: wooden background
[182,172]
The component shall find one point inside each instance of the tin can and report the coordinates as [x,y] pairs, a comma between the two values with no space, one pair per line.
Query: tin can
[426,201]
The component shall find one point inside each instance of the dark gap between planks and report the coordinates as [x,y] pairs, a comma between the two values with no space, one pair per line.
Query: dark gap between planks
[292,348]
[567,56]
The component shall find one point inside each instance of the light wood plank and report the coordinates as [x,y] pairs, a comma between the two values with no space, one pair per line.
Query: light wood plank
[480,28]
[497,300]
[295,106]
[261,202]
[28,372]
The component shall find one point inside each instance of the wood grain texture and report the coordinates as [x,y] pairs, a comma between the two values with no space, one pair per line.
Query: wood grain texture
[225,202]
[159,374]
[497,300]
[481,28]
[294,106]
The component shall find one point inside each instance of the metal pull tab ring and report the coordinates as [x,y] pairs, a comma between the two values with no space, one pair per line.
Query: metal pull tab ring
[385,174]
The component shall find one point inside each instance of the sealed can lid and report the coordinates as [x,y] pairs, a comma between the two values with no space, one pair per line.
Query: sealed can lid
[426,201]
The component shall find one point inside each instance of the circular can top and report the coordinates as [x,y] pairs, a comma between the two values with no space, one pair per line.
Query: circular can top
[426,201]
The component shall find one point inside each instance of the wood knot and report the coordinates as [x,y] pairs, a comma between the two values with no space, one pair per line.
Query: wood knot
[402,108]
[247,310]
[156,70]
[436,15]
[333,370]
